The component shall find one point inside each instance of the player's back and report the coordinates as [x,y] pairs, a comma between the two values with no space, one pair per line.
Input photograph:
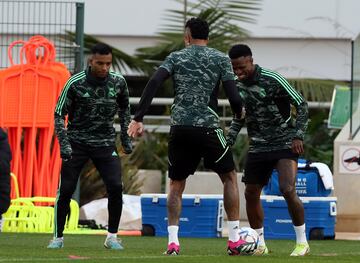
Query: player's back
[197,72]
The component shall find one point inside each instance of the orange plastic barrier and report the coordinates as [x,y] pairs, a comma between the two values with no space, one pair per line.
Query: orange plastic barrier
[28,95]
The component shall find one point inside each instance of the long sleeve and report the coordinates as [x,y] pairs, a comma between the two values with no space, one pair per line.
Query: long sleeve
[235,127]
[61,111]
[298,101]
[149,92]
[301,119]
[233,95]
[124,118]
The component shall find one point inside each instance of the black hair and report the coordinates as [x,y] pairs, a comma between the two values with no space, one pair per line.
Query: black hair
[199,28]
[239,50]
[101,48]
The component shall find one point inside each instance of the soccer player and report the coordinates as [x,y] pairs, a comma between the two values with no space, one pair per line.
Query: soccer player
[276,140]
[5,158]
[91,99]
[195,133]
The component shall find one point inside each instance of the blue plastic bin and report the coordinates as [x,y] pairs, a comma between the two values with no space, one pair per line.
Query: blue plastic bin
[320,217]
[201,215]
[308,183]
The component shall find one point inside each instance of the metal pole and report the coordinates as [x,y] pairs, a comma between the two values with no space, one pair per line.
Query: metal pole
[185,12]
[79,37]
[79,63]
[351,90]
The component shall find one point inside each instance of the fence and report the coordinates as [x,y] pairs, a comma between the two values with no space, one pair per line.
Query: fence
[52,19]
[161,123]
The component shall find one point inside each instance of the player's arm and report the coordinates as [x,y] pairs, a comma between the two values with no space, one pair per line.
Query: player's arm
[124,116]
[61,110]
[298,101]
[301,125]
[236,105]
[149,92]
[229,84]
[136,126]
[233,96]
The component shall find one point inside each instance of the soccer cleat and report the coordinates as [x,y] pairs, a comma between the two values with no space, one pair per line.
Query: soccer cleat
[261,251]
[56,243]
[172,250]
[301,249]
[241,247]
[113,243]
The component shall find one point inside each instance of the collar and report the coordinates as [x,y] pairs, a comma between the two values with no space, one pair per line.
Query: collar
[94,80]
[255,77]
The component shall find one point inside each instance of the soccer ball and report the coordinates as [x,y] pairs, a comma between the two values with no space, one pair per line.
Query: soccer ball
[251,236]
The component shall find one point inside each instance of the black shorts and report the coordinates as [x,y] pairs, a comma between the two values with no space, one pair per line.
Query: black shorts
[259,166]
[188,144]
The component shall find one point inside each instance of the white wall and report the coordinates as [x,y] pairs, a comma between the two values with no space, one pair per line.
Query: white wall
[286,18]
[294,58]
[304,58]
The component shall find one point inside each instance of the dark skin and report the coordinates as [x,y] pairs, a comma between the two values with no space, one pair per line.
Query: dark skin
[244,68]
[100,65]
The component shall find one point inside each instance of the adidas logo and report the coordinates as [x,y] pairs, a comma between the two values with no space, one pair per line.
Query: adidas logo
[114,153]
[86,95]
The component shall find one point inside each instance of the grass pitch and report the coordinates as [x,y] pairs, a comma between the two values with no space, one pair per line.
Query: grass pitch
[89,248]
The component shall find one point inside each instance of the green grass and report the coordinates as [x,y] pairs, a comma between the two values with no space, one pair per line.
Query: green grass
[89,248]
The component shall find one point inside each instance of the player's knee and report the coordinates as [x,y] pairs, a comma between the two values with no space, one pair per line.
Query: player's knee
[115,189]
[287,190]
[66,191]
[252,193]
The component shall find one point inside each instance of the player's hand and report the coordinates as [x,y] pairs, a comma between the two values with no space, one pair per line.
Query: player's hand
[233,132]
[126,145]
[135,129]
[297,146]
[65,153]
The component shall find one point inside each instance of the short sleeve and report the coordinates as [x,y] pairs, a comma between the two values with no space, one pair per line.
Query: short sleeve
[168,63]
[226,70]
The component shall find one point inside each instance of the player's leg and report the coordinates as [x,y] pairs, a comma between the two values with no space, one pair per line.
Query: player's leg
[218,157]
[174,202]
[287,169]
[255,214]
[258,169]
[5,158]
[107,162]
[70,171]
[183,155]
[231,205]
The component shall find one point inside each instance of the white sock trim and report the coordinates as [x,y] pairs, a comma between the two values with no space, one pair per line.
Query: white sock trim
[300,234]
[113,235]
[173,234]
[260,232]
[233,227]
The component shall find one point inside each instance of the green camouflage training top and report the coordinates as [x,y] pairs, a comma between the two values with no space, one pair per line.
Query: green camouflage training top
[91,105]
[267,98]
[197,72]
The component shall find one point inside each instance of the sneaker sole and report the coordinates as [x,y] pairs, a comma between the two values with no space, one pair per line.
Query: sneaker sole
[305,254]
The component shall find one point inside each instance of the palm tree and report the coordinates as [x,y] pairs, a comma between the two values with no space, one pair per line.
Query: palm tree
[316,89]
[223,16]
[121,60]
